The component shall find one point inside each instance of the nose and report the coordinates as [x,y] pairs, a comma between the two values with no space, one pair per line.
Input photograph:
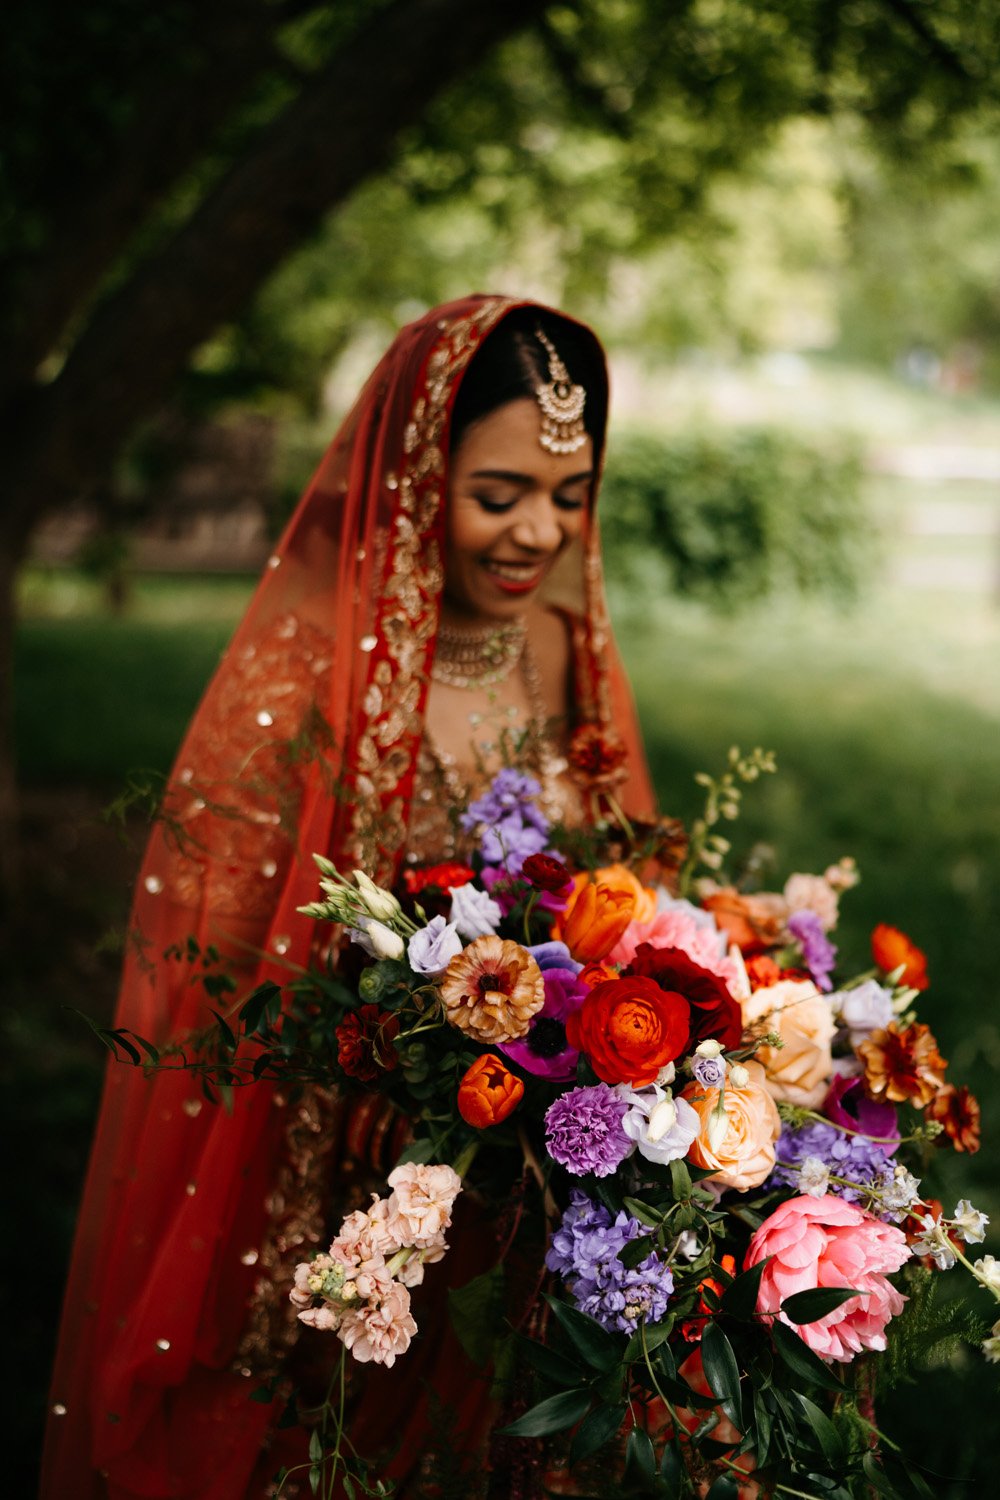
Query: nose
[538,524]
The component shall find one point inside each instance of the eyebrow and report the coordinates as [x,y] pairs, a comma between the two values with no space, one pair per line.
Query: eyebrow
[513,478]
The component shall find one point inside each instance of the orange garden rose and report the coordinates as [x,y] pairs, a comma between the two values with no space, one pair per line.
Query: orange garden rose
[739,1149]
[629,1029]
[903,1066]
[890,948]
[751,922]
[492,989]
[598,910]
[488,1092]
[799,1070]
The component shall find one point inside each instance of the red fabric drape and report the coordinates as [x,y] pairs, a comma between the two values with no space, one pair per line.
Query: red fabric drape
[305,741]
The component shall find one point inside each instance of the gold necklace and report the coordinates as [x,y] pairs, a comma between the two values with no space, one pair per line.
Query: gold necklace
[478,658]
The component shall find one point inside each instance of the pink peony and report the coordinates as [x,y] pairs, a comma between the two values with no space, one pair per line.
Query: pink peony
[378,1333]
[676,928]
[819,1242]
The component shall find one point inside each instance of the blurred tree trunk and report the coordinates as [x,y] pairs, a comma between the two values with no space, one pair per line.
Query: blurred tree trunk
[342,127]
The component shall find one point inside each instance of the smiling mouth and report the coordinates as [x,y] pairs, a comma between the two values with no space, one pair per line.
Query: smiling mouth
[515,575]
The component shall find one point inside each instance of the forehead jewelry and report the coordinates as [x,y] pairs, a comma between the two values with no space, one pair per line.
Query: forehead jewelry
[561,404]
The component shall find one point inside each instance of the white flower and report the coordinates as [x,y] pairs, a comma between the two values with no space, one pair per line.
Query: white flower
[710,1048]
[991,1348]
[687,1245]
[987,1268]
[662,1127]
[934,1242]
[738,1076]
[432,949]
[666,1075]
[377,939]
[969,1224]
[380,904]
[900,1195]
[814,1177]
[863,1009]
[473,912]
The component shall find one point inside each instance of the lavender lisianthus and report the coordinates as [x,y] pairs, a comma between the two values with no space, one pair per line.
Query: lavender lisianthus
[584,1251]
[583,1131]
[818,954]
[662,1127]
[864,1009]
[710,1072]
[432,949]
[473,912]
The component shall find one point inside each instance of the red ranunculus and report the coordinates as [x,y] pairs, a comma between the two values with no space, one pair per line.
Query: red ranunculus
[629,1029]
[546,872]
[714,1012]
[443,876]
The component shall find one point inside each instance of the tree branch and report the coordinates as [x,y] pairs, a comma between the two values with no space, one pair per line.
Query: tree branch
[342,128]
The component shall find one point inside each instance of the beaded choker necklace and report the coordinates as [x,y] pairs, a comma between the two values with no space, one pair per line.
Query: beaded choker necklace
[478,658]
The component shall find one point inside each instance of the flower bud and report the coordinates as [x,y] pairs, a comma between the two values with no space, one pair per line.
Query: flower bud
[378,903]
[710,1048]
[661,1119]
[371,985]
[718,1125]
[738,1076]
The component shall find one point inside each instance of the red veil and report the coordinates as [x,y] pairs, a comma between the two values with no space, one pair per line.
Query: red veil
[306,740]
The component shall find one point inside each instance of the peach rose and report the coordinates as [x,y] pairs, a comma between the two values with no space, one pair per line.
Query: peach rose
[799,1071]
[813,893]
[752,922]
[739,1148]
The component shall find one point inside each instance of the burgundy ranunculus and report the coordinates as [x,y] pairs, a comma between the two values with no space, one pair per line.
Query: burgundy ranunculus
[714,1012]
[546,872]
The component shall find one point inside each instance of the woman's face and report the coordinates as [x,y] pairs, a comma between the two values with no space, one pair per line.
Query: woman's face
[513,508]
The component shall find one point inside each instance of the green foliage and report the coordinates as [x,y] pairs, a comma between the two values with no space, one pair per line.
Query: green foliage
[734,515]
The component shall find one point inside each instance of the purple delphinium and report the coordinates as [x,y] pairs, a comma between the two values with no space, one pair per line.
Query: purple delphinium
[851,1156]
[818,954]
[584,1251]
[583,1131]
[510,793]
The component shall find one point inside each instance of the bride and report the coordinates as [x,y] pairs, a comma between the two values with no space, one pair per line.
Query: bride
[434,611]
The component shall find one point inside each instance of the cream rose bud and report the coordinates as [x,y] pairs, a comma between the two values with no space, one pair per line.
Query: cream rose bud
[666,1075]
[377,939]
[738,1076]
[710,1048]
[378,903]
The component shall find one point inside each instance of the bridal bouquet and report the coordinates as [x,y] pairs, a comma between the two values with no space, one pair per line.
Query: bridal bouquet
[723,1134]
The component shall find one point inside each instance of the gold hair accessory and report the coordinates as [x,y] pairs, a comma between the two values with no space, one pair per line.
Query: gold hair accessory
[561,404]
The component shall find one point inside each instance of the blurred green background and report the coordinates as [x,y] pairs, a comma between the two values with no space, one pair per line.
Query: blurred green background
[784,221]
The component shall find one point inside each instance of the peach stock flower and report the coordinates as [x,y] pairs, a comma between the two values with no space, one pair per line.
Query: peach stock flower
[890,948]
[378,1332]
[799,1070]
[419,1210]
[492,989]
[905,1066]
[738,1149]
[827,1242]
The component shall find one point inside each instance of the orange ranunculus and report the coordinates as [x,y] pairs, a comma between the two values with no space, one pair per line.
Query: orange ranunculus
[903,1066]
[890,948]
[599,908]
[958,1111]
[629,1029]
[752,922]
[488,1092]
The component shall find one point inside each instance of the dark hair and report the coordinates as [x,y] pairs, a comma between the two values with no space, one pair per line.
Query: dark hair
[511,363]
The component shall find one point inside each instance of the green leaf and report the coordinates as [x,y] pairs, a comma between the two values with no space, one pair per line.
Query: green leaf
[878,1479]
[680,1178]
[419,1151]
[115,1039]
[671,1470]
[724,1488]
[225,1031]
[807,1307]
[552,1366]
[315,1445]
[801,1360]
[652,1338]
[551,1415]
[253,1009]
[476,1312]
[595,1430]
[829,1439]
[722,1372]
[642,1212]
[598,1347]
[636,1250]
[640,1459]
[739,1299]
[763,1424]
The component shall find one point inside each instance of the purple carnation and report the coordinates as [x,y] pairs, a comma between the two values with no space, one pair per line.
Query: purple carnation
[818,954]
[583,1131]
[851,1156]
[584,1250]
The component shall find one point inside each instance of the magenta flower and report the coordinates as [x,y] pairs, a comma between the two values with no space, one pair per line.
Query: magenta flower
[544,1050]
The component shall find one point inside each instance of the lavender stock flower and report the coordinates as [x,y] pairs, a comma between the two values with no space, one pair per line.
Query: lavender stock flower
[853,1157]
[818,954]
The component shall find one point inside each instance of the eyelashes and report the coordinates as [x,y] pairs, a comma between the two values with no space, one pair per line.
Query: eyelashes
[501,507]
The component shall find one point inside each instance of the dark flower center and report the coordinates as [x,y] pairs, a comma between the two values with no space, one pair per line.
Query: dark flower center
[547,1037]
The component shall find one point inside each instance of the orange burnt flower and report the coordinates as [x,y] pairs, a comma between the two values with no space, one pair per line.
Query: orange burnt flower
[903,1066]
[958,1111]
[492,989]
[488,1092]
[890,948]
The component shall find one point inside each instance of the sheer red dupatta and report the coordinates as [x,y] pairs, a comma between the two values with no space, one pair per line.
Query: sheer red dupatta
[306,741]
